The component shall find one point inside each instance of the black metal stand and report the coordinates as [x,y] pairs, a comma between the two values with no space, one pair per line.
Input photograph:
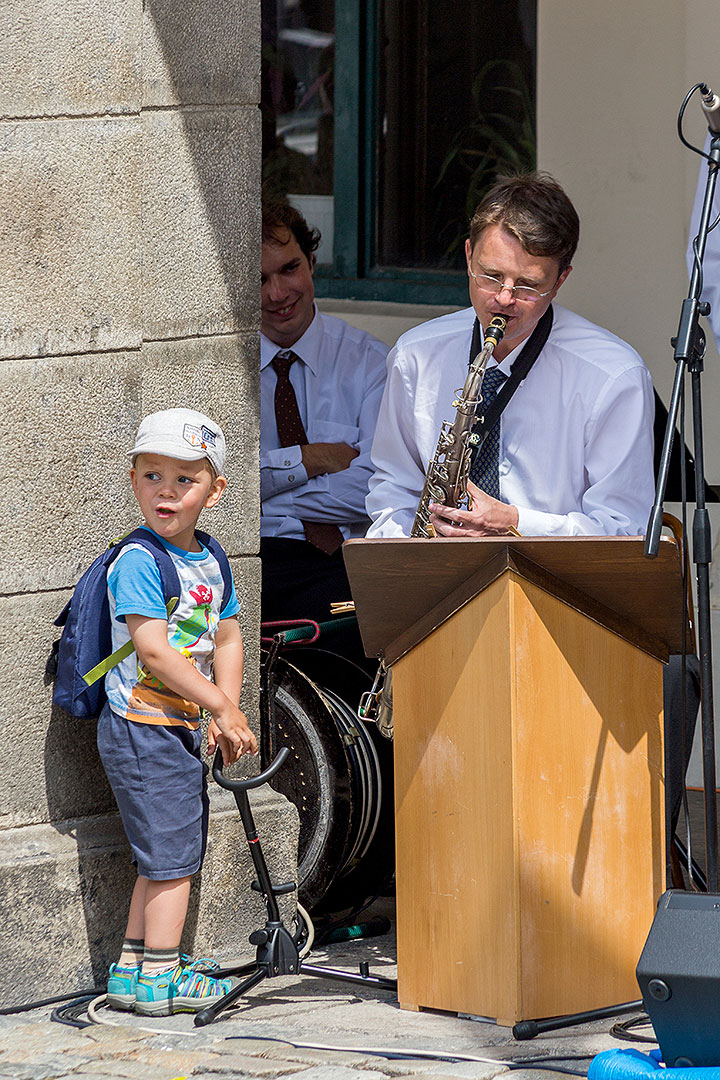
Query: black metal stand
[528,1029]
[278,950]
[689,346]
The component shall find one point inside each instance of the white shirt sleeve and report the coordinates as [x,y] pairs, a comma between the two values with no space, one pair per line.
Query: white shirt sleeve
[618,465]
[338,382]
[399,476]
[281,470]
[336,497]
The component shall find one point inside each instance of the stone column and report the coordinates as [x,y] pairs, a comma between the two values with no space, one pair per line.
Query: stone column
[129,270]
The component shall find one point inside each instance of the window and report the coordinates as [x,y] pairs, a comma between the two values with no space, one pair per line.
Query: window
[384,121]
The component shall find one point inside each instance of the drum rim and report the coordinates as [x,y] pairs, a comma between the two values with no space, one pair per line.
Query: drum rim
[335,842]
[364,787]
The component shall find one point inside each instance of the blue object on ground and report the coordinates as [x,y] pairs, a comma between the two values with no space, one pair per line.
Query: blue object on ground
[631,1065]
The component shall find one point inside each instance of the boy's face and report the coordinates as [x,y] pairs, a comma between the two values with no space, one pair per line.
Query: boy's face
[171,493]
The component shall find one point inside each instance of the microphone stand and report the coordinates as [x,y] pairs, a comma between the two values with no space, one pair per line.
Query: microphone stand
[689,346]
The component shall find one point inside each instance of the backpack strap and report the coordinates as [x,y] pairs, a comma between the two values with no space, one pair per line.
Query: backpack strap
[218,551]
[169,580]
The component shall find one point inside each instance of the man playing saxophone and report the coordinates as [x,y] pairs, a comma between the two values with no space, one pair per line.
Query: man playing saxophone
[572,451]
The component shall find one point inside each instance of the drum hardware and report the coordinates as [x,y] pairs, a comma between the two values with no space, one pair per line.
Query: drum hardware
[279,951]
[342,776]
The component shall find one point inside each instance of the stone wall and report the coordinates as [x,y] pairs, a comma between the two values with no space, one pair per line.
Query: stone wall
[129,226]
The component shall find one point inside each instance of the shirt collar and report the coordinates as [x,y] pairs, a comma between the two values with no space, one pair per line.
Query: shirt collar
[307,348]
[506,365]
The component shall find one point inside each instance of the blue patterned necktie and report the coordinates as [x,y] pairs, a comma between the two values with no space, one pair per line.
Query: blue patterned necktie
[484,469]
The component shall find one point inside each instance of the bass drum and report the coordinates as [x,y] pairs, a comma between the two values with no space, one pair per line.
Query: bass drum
[339,776]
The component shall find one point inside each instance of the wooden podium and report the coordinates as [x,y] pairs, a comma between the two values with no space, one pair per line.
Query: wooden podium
[528,762]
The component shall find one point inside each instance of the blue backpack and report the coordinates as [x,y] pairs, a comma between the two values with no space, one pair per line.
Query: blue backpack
[84,651]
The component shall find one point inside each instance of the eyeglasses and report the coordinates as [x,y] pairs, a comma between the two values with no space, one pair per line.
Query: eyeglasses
[494,285]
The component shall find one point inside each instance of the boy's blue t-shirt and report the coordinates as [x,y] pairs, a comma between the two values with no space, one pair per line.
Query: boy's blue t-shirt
[135,588]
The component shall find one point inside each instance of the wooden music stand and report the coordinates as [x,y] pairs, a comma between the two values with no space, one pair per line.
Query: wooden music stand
[528,762]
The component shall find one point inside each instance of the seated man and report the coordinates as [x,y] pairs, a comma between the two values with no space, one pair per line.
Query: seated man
[572,452]
[321,381]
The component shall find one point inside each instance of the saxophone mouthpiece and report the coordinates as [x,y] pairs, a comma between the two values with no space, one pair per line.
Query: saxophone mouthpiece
[496,329]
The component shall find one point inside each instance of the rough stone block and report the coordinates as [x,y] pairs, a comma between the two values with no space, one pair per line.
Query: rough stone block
[246,574]
[223,908]
[63,465]
[70,205]
[201,222]
[70,422]
[71,888]
[219,376]
[68,59]
[200,53]
[50,767]
[67,911]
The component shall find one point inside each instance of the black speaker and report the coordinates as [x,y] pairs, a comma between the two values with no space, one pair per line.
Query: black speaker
[679,977]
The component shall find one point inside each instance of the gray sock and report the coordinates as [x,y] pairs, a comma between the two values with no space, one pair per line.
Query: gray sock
[132,953]
[158,961]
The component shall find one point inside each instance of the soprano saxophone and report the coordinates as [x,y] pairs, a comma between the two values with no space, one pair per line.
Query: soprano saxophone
[445,482]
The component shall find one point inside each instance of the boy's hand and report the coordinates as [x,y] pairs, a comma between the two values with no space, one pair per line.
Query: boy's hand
[230,731]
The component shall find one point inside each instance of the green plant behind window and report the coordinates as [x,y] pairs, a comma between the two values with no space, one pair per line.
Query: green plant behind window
[501,139]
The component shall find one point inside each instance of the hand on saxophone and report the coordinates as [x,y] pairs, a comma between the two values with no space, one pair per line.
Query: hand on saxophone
[486,517]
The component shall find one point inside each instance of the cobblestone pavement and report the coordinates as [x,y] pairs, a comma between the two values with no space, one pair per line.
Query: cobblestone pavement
[254,1038]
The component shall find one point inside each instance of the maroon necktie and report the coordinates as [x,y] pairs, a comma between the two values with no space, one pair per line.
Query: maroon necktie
[291,432]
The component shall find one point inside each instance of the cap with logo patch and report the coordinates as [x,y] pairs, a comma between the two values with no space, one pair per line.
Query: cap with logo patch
[181,433]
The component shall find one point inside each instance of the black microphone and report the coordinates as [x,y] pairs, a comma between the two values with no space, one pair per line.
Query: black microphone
[711,108]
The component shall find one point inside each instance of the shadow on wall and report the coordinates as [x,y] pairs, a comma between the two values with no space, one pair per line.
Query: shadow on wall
[209,63]
[202,62]
[79,804]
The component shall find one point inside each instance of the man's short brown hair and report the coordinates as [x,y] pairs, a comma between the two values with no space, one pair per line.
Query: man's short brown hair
[536,211]
[278,216]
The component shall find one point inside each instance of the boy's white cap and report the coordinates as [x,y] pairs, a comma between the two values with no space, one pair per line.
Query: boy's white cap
[181,433]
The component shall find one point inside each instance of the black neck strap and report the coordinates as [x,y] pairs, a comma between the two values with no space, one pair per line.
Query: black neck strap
[521,366]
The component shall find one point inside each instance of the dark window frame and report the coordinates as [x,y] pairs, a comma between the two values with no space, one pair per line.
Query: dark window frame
[354,274]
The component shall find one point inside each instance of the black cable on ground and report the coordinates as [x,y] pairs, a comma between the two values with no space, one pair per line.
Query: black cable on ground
[405,1055]
[69,1014]
[623,1030]
[558,1057]
[89,994]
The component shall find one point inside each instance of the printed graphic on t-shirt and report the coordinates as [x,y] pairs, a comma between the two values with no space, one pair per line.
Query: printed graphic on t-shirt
[189,631]
[150,700]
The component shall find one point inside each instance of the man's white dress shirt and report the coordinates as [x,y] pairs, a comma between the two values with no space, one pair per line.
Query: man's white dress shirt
[338,382]
[576,439]
[711,261]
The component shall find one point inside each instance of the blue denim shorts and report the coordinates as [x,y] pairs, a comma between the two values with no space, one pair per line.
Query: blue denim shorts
[159,781]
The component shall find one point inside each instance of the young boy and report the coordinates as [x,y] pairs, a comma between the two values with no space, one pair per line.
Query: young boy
[149,732]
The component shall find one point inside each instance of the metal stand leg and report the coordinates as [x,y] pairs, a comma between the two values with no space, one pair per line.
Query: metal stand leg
[278,951]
